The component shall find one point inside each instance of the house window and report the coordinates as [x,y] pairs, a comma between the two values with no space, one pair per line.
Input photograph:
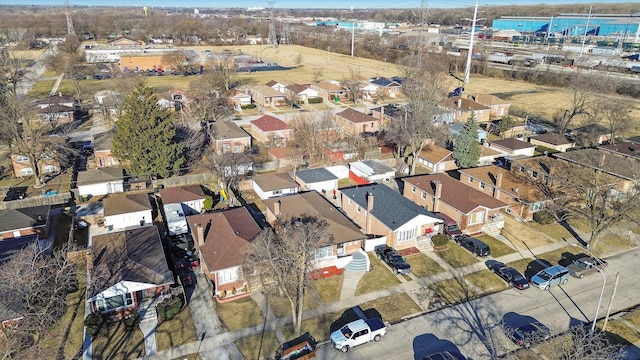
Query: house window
[406,235]
[21,158]
[521,169]
[49,169]
[481,185]
[413,189]
[534,174]
[229,275]
[423,195]
[357,208]
[349,201]
[26,171]
[476,218]
[115,302]
[470,180]
[535,207]
[276,192]
[322,252]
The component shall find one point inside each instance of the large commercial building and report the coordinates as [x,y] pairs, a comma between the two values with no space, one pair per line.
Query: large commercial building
[625,27]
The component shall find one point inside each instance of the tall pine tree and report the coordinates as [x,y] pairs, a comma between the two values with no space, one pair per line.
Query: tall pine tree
[144,139]
[466,150]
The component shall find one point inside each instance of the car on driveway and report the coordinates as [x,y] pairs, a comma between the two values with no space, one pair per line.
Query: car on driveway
[508,274]
[528,334]
[550,276]
[477,247]
[396,262]
[586,265]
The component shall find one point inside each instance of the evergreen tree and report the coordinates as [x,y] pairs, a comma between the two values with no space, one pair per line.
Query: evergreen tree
[144,139]
[466,150]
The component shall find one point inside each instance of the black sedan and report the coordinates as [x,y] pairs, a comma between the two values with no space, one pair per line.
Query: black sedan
[508,274]
[530,333]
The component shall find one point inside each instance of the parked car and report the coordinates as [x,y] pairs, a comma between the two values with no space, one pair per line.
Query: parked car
[508,274]
[446,355]
[528,334]
[450,228]
[586,265]
[477,247]
[535,267]
[396,262]
[550,276]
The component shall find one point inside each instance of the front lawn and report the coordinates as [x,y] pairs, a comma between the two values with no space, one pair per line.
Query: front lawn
[281,306]
[556,255]
[487,281]
[251,348]
[376,279]
[393,308]
[176,331]
[612,243]
[423,266]
[498,248]
[119,343]
[318,326]
[453,291]
[328,289]
[633,317]
[239,314]
[457,256]
[618,332]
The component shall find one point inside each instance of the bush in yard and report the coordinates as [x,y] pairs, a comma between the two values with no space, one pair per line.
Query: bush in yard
[250,106]
[208,203]
[132,320]
[544,217]
[316,100]
[169,308]
[97,324]
[440,240]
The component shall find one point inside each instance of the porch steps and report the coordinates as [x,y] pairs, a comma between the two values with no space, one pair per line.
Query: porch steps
[491,229]
[359,262]
[148,311]
[425,245]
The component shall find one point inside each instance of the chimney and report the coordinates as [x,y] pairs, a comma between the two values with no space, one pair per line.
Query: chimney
[369,201]
[200,233]
[496,191]
[369,208]
[277,208]
[438,193]
[381,113]
[459,103]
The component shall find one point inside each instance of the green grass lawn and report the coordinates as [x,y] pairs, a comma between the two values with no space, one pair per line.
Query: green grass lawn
[239,314]
[453,291]
[119,344]
[251,348]
[318,326]
[328,289]
[498,248]
[281,306]
[520,265]
[423,266]
[393,308]
[176,331]
[457,256]
[378,278]
[486,281]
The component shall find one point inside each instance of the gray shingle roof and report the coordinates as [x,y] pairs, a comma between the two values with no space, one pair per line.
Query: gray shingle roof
[98,176]
[389,206]
[315,175]
[13,219]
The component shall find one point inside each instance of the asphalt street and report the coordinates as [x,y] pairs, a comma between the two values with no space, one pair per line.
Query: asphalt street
[474,327]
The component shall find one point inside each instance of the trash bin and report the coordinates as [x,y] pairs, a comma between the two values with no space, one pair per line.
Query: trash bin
[110,227]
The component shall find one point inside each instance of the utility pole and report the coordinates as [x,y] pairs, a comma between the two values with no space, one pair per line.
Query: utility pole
[615,287]
[586,30]
[353,37]
[467,70]
[328,54]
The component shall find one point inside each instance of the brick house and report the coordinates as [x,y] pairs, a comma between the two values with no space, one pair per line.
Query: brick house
[354,122]
[221,239]
[512,147]
[230,138]
[102,151]
[266,96]
[497,107]
[553,141]
[472,209]
[464,108]
[271,131]
[437,159]
[330,90]
[56,109]
[301,93]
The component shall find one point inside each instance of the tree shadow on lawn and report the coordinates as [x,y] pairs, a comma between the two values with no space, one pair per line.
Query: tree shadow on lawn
[573,233]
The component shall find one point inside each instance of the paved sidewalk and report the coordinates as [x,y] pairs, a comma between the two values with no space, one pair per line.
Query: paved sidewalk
[148,325]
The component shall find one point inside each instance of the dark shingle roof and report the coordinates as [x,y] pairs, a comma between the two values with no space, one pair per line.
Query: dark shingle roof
[315,175]
[389,206]
[176,195]
[13,219]
[627,148]
[356,116]
[554,139]
[512,143]
[120,203]
[229,130]
[611,163]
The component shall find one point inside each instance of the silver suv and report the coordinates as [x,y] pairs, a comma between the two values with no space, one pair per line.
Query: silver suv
[550,276]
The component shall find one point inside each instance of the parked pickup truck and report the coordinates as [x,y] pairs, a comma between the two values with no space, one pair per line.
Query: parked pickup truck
[585,266]
[396,262]
[358,332]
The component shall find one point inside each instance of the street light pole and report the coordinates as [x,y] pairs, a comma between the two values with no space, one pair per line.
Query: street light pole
[595,317]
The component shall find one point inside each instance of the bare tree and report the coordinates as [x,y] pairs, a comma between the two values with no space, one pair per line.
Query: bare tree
[229,167]
[312,132]
[582,88]
[616,114]
[286,254]
[317,75]
[175,60]
[585,347]
[353,85]
[424,87]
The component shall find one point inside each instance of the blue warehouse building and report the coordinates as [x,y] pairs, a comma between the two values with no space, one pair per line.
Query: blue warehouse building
[625,26]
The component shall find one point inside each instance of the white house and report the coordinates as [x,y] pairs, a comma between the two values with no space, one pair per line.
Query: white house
[127,210]
[320,180]
[272,185]
[191,197]
[372,170]
[101,181]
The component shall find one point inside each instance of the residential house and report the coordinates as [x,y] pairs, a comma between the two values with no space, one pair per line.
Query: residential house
[354,122]
[271,131]
[625,169]
[382,211]
[230,138]
[127,210]
[346,236]
[21,227]
[553,141]
[384,87]
[473,210]
[279,87]
[523,195]
[273,185]
[320,180]
[371,171]
[102,157]
[221,240]
[100,181]
[497,107]
[284,157]
[387,114]
[488,156]
[330,90]
[625,148]
[437,159]
[238,99]
[57,109]
[455,129]
[592,134]
[301,93]
[47,163]
[463,109]
[512,147]
[265,96]
[190,196]
[109,101]
[129,268]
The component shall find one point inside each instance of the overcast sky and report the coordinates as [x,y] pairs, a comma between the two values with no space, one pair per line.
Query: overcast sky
[343,4]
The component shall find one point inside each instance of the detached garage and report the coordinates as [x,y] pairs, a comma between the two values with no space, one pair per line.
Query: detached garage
[100,181]
[372,170]
[317,179]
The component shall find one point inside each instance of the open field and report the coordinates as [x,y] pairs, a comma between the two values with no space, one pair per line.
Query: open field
[26,54]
